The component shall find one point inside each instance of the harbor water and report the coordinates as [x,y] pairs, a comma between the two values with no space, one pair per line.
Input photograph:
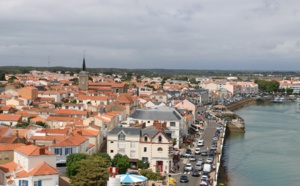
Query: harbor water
[269,152]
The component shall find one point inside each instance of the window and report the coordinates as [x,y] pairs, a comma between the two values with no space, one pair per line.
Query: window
[145,149]
[159,149]
[23,183]
[111,141]
[145,138]
[58,151]
[148,121]
[159,139]
[132,154]
[37,183]
[68,151]
[121,137]
[111,151]
[172,124]
[132,145]
[6,155]
[145,159]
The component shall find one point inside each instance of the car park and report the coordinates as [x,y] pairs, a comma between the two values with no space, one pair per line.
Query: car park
[184,179]
[196,173]
[188,167]
[192,158]
[197,151]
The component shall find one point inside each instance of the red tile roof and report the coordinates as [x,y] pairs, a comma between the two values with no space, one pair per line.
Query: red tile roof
[9,167]
[10,117]
[7,147]
[71,141]
[32,150]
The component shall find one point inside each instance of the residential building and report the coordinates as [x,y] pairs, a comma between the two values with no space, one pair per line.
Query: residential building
[148,145]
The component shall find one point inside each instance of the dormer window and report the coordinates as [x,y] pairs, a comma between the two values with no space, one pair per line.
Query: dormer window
[121,137]
[145,138]
[159,149]
[159,139]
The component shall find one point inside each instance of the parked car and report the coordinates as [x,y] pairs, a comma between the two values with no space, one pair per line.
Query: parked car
[198,166]
[196,173]
[188,167]
[204,153]
[184,179]
[188,152]
[209,160]
[197,151]
[192,158]
[200,160]
[200,143]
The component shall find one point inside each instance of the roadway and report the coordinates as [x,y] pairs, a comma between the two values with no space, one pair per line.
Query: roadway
[207,135]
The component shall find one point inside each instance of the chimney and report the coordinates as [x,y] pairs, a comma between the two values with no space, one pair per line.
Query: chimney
[17,136]
[54,141]
[42,150]
[79,132]
[34,142]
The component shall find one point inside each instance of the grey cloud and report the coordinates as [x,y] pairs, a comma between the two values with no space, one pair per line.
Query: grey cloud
[151,34]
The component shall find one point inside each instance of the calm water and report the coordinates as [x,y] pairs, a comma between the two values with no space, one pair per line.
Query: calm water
[269,152]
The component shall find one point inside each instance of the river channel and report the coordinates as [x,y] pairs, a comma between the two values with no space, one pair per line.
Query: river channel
[269,152]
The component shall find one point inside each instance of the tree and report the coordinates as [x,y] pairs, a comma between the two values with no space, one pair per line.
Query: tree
[122,162]
[92,172]
[103,155]
[174,142]
[193,81]
[73,163]
[142,165]
[73,101]
[2,77]
[42,124]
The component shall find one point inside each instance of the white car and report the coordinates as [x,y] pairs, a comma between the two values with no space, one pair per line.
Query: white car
[197,151]
[198,166]
[188,167]
[192,158]
[200,143]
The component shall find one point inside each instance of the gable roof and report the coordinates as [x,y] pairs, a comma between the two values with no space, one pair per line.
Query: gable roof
[71,141]
[41,169]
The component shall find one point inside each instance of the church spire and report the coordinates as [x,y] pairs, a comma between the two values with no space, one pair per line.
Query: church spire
[83,64]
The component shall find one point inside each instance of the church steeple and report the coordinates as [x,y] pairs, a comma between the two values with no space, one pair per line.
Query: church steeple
[83,64]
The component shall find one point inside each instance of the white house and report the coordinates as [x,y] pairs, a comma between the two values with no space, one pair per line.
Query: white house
[32,166]
[148,145]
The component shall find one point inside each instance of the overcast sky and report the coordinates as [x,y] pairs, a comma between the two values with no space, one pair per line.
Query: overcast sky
[172,34]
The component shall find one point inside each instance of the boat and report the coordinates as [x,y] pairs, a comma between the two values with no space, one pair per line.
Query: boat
[279,99]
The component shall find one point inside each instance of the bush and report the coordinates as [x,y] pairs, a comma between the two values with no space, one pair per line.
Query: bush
[148,173]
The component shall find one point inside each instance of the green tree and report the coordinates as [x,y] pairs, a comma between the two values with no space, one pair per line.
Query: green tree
[142,165]
[42,124]
[103,155]
[73,101]
[73,163]
[11,79]
[2,77]
[193,81]
[122,162]
[93,171]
